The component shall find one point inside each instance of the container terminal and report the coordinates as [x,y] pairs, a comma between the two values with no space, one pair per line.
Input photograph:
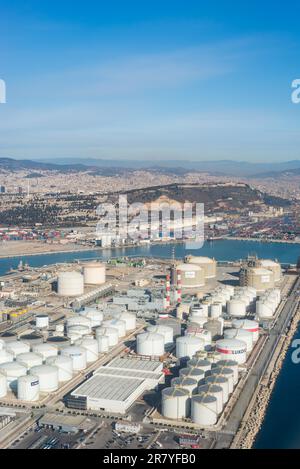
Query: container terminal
[133,352]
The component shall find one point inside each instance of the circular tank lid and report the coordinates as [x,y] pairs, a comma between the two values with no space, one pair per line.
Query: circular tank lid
[175,392]
[227,363]
[57,338]
[204,398]
[228,344]
[184,381]
[215,379]
[209,388]
[188,267]
[43,369]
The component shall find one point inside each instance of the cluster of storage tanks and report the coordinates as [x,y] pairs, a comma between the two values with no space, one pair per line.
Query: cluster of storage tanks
[260,274]
[202,389]
[267,303]
[32,368]
[72,283]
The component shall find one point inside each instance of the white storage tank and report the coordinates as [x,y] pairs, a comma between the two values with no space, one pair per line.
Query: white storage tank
[165,331]
[42,321]
[94,273]
[94,315]
[111,332]
[248,325]
[185,382]
[219,381]
[28,388]
[233,365]
[128,318]
[46,350]
[5,356]
[204,409]
[12,371]
[64,366]
[232,349]
[2,344]
[264,309]
[116,324]
[3,385]
[215,310]
[236,308]
[240,334]
[187,346]
[103,343]
[78,355]
[79,320]
[275,267]
[192,276]
[29,359]
[16,347]
[214,390]
[78,331]
[208,265]
[60,328]
[91,347]
[192,372]
[201,363]
[226,373]
[150,344]
[70,284]
[175,403]
[202,334]
[213,357]
[47,375]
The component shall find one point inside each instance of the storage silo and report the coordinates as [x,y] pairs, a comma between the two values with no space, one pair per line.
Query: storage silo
[236,308]
[29,359]
[5,356]
[94,273]
[202,334]
[175,403]
[91,347]
[185,382]
[116,324]
[232,349]
[32,339]
[226,373]
[103,343]
[192,372]
[248,325]
[79,320]
[214,390]
[215,327]
[111,332]
[264,309]
[208,265]
[275,267]
[215,310]
[94,315]
[12,371]
[150,344]
[187,346]
[204,409]
[58,341]
[77,331]
[192,276]
[257,277]
[213,357]
[78,355]
[9,337]
[165,331]
[201,363]
[47,375]
[28,388]
[64,366]
[219,381]
[46,350]
[128,318]
[41,321]
[230,364]
[3,385]
[17,347]
[240,334]
[70,284]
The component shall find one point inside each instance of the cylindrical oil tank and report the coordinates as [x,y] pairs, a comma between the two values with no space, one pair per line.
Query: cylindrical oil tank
[91,347]
[215,327]
[117,324]
[94,315]
[248,325]
[213,357]
[185,382]
[60,328]
[46,350]
[79,320]
[192,372]
[175,403]
[236,308]
[219,381]
[187,346]
[201,363]
[28,388]
[32,339]
[64,365]
[171,322]
[2,344]
[29,359]
[78,331]
[94,273]
[232,349]
[196,321]
[183,310]
[128,318]
[47,375]
[9,337]
[204,409]
[165,331]
[103,343]
[214,390]
[58,341]
[208,265]
[275,267]
[202,334]
[70,284]
[257,277]
[5,356]
[150,344]
[233,365]
[17,347]
[264,309]
[3,385]
[199,311]
[111,332]
[226,373]
[42,321]
[12,371]
[240,334]
[215,310]
[78,355]
[192,276]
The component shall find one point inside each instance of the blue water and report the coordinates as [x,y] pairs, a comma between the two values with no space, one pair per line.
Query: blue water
[281,428]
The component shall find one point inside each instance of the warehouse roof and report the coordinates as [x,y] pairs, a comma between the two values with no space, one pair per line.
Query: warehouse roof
[135,363]
[108,387]
[126,373]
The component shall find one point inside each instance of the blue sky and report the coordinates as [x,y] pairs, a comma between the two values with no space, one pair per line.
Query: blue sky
[150,80]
